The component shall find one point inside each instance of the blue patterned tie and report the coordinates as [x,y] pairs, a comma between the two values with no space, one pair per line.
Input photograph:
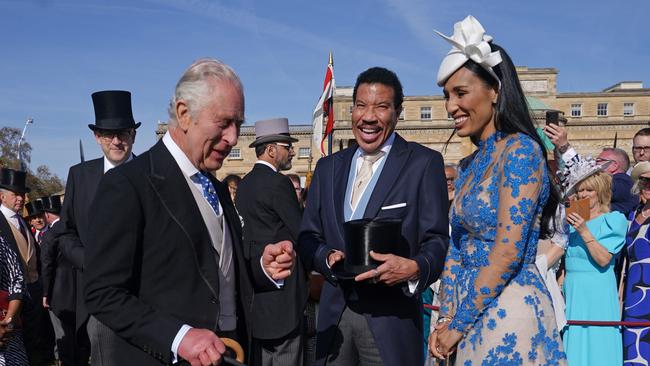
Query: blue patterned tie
[208,190]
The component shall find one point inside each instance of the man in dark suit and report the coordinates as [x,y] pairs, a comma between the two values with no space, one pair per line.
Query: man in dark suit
[165,269]
[114,130]
[59,287]
[38,334]
[270,212]
[376,318]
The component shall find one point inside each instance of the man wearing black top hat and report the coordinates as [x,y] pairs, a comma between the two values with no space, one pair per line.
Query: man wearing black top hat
[37,330]
[59,287]
[114,130]
[35,219]
[267,203]
[374,317]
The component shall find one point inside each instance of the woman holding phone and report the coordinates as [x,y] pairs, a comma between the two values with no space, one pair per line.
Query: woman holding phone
[590,284]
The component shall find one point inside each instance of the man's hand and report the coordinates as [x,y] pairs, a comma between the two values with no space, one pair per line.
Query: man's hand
[557,134]
[201,347]
[393,271]
[278,258]
[45,303]
[334,256]
[6,330]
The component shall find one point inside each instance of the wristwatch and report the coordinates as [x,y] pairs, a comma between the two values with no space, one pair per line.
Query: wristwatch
[562,149]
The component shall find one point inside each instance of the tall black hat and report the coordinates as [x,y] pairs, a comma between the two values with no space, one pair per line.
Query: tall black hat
[381,235]
[13,180]
[52,204]
[34,208]
[113,110]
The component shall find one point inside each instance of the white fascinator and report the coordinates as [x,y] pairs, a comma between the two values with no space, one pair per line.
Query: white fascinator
[469,41]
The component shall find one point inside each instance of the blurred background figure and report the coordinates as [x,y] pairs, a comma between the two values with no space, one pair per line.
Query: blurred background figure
[451,172]
[35,219]
[232,181]
[295,180]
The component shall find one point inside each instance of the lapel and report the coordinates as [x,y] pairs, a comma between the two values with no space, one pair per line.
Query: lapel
[341,165]
[395,162]
[93,174]
[171,188]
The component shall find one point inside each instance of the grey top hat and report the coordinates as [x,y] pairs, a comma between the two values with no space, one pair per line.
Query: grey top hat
[272,130]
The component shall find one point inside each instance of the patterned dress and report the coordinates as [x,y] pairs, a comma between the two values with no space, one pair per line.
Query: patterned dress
[636,340]
[490,286]
[11,280]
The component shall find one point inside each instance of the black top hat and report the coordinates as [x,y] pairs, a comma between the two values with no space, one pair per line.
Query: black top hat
[52,204]
[34,208]
[362,236]
[113,110]
[13,180]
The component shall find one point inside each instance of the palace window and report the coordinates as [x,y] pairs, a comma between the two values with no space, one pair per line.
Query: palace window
[628,109]
[235,154]
[425,113]
[601,110]
[304,152]
[576,110]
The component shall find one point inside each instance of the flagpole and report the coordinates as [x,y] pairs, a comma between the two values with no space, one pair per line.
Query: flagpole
[19,150]
[329,137]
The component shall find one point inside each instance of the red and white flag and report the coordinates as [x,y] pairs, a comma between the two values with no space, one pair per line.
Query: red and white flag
[324,110]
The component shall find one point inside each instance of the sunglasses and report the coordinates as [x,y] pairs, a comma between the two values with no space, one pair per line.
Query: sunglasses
[644,181]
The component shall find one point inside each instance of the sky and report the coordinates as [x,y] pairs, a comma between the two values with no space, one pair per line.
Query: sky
[56,53]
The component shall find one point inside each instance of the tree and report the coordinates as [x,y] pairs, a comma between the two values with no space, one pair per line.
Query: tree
[43,182]
[9,137]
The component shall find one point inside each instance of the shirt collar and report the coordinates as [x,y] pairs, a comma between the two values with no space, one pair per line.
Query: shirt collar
[267,164]
[385,147]
[179,156]
[108,165]
[9,213]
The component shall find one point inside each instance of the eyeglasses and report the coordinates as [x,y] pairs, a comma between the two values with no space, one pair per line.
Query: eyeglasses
[289,147]
[602,161]
[121,135]
[640,148]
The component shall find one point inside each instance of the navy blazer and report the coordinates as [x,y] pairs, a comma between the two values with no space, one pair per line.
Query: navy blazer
[412,175]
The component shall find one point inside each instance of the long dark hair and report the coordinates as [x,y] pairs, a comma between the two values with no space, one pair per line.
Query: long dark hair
[513,116]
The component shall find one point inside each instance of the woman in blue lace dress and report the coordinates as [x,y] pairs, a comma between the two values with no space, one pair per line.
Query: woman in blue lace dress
[495,309]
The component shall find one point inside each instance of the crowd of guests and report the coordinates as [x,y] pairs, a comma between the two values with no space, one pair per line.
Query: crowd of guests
[150,260]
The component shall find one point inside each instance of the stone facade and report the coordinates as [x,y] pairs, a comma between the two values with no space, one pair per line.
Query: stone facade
[594,120]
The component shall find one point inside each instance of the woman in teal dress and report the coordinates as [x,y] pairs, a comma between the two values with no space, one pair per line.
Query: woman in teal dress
[590,284]
[495,308]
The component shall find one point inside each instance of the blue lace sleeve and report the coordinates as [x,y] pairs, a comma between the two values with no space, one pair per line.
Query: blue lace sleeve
[447,296]
[519,179]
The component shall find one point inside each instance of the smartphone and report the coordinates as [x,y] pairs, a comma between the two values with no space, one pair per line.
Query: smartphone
[552,117]
[581,207]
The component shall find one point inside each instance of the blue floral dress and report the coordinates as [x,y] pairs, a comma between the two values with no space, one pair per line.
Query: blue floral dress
[490,286]
[636,308]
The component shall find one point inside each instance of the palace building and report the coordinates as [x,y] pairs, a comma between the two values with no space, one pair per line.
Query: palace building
[594,120]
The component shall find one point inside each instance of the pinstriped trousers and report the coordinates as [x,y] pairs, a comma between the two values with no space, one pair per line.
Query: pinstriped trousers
[103,344]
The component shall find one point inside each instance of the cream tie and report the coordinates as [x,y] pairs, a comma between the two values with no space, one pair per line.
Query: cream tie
[364,176]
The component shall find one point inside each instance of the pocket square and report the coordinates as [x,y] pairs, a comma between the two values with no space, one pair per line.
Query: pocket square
[397,205]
